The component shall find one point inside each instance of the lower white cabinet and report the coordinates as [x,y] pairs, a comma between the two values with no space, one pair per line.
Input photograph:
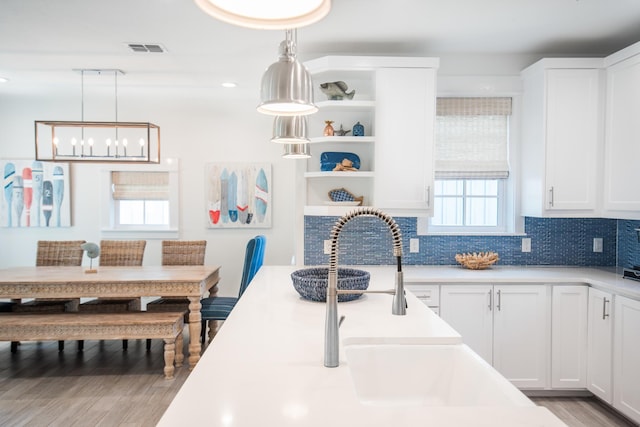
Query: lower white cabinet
[599,345]
[428,294]
[508,325]
[626,357]
[569,336]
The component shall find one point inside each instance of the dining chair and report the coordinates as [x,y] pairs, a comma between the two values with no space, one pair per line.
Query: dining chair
[217,308]
[178,252]
[53,253]
[117,253]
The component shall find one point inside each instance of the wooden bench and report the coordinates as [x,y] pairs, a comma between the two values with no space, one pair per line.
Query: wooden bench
[100,326]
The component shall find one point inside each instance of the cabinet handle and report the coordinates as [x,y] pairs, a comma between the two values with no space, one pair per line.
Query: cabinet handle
[499,305]
[490,300]
[551,196]
[428,196]
[604,308]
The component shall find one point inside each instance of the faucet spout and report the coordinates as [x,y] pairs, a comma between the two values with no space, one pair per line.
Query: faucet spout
[399,305]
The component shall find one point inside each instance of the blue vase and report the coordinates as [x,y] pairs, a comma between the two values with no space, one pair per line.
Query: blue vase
[358,130]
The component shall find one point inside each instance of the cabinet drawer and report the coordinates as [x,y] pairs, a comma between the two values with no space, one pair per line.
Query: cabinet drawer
[428,294]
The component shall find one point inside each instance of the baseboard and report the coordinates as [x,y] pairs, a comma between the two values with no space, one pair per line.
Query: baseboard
[557,393]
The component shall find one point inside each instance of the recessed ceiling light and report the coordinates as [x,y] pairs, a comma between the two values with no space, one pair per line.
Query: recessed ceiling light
[3,79]
[229,84]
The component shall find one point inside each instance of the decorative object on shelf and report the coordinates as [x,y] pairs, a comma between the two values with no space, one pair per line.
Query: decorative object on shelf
[238,195]
[36,194]
[92,251]
[477,260]
[286,88]
[345,165]
[358,130]
[330,159]
[311,283]
[97,142]
[342,195]
[328,129]
[341,131]
[270,15]
[336,91]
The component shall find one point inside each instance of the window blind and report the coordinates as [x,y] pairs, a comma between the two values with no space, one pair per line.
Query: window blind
[471,137]
[127,185]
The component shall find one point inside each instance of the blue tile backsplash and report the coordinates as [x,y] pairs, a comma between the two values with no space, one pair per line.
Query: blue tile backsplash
[554,241]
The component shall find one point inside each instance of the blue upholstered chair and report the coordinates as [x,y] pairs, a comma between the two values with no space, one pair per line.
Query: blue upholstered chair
[218,308]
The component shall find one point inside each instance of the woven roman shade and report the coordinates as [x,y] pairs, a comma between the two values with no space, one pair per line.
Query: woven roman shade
[471,138]
[140,185]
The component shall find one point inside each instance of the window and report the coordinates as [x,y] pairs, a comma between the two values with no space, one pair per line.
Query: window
[471,162]
[142,202]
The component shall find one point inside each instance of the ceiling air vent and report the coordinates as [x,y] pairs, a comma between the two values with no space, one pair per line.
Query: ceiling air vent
[147,47]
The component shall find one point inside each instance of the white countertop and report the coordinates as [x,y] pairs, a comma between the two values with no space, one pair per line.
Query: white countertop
[265,366]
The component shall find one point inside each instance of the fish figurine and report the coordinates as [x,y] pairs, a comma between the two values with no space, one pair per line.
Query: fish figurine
[336,91]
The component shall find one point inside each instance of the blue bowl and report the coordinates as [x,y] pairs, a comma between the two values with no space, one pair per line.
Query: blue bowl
[311,283]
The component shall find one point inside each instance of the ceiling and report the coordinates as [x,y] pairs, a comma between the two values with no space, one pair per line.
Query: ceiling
[43,41]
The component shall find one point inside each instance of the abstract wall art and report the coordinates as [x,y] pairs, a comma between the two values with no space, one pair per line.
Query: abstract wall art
[238,195]
[36,194]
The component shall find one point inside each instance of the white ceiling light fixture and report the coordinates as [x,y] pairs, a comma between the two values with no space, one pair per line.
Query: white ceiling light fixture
[290,130]
[287,88]
[267,14]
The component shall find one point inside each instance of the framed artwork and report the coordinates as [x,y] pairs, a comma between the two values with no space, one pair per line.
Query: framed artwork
[36,194]
[238,195]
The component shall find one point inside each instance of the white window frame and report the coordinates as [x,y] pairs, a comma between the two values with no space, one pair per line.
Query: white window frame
[108,210]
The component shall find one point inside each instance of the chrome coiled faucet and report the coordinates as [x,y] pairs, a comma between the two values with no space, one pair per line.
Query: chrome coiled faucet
[399,307]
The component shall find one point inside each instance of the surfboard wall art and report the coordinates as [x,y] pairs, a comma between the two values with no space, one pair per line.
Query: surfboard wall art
[238,195]
[36,194]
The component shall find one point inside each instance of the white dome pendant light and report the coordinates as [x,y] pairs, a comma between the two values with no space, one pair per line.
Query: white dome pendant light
[267,14]
[286,88]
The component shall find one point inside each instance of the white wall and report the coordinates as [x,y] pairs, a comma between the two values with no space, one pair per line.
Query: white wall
[195,128]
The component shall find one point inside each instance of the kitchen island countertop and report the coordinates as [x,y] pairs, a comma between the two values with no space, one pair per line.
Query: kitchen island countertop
[265,366]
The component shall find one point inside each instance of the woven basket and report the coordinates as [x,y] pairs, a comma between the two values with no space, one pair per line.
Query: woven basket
[477,260]
[311,283]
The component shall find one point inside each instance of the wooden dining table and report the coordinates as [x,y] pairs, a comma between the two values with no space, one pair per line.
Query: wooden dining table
[193,282]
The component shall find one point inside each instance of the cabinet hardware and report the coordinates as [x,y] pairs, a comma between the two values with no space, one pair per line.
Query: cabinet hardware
[604,308]
[499,304]
[490,300]
[428,196]
[551,196]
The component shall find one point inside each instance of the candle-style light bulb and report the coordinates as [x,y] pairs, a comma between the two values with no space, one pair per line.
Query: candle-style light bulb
[73,145]
[141,147]
[82,147]
[90,142]
[56,141]
[124,146]
[108,141]
[116,145]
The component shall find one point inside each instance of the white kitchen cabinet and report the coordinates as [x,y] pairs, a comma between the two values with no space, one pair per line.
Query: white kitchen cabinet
[622,146]
[507,325]
[599,345]
[563,130]
[428,294]
[405,116]
[569,305]
[395,102]
[626,357]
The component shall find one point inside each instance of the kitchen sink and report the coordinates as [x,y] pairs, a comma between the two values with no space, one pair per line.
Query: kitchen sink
[427,375]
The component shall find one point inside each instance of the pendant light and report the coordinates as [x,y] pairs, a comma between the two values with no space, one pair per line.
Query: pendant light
[296,151]
[286,88]
[290,130]
[267,14]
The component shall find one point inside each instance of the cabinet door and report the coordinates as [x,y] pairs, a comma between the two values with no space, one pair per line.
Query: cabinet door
[569,336]
[573,135]
[599,345]
[521,334]
[468,309]
[626,357]
[405,115]
[622,150]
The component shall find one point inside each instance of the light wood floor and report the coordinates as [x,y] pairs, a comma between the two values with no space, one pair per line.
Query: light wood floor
[104,386]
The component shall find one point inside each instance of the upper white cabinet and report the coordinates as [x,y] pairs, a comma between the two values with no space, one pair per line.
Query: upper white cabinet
[562,137]
[622,140]
[507,325]
[405,116]
[395,102]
